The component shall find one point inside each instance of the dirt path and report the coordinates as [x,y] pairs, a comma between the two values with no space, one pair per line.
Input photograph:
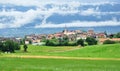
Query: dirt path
[61,57]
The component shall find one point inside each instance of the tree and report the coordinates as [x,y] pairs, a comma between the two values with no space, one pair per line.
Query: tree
[49,43]
[80,42]
[22,41]
[65,41]
[91,41]
[44,39]
[8,46]
[25,47]
[1,46]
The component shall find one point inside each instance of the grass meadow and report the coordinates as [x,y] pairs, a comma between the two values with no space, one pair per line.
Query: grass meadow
[99,51]
[36,64]
[9,63]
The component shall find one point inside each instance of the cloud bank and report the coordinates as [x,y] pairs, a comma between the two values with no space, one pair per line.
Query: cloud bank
[45,9]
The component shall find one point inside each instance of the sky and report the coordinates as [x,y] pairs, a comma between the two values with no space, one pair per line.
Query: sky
[58,13]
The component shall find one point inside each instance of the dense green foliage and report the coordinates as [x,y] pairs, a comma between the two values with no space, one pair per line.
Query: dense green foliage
[58,42]
[25,47]
[80,42]
[91,41]
[1,46]
[65,42]
[109,42]
[9,46]
[35,64]
[22,41]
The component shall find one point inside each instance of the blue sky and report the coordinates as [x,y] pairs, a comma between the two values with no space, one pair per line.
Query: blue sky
[58,13]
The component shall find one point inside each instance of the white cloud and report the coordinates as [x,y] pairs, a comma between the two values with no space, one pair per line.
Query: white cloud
[80,24]
[21,18]
[89,11]
[43,2]
[43,13]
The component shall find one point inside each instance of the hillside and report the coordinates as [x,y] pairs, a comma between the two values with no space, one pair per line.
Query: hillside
[107,51]
[102,51]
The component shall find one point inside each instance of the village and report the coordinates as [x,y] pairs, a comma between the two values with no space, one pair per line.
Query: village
[73,35]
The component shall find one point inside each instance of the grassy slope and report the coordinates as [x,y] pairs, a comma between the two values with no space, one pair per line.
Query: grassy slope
[107,51]
[26,64]
[41,64]
[96,51]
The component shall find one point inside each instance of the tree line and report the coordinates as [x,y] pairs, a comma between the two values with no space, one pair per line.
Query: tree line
[65,42]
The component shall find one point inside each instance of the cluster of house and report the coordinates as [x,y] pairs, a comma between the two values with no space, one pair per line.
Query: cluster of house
[72,36]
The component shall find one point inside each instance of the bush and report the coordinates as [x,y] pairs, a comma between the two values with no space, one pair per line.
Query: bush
[109,42]
[80,42]
[1,46]
[50,43]
[91,41]
[9,46]
[25,47]
[58,42]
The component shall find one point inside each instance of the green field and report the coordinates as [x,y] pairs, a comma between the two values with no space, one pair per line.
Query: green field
[35,64]
[109,54]
[101,51]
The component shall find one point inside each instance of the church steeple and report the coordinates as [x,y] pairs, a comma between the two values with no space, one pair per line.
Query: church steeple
[65,30]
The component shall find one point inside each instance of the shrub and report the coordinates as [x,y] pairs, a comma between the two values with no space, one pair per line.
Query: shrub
[25,47]
[91,41]
[1,46]
[9,46]
[49,43]
[109,42]
[80,42]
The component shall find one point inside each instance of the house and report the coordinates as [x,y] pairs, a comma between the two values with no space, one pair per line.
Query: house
[33,38]
[50,36]
[100,35]
[72,37]
[78,31]
[82,35]
[66,32]
[91,33]
[27,42]
[58,35]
